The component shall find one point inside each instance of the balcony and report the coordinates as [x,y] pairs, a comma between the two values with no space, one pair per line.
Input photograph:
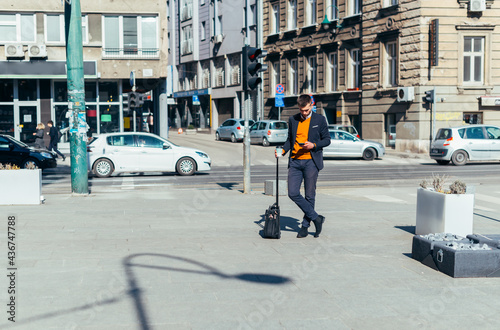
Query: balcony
[139,53]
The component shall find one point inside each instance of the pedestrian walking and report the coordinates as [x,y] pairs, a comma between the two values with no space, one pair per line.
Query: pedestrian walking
[54,139]
[307,136]
[39,136]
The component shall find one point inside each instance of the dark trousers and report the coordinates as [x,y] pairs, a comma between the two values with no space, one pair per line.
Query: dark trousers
[53,146]
[298,171]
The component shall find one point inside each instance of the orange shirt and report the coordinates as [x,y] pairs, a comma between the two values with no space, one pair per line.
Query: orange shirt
[301,137]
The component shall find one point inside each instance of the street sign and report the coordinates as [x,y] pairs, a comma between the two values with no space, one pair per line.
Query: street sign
[132,78]
[278,101]
[313,103]
[196,100]
[280,89]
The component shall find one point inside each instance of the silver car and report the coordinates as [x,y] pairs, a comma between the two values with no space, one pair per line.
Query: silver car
[232,129]
[269,131]
[348,128]
[464,143]
[345,144]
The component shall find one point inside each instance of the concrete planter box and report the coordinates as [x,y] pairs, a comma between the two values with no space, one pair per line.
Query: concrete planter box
[444,213]
[20,187]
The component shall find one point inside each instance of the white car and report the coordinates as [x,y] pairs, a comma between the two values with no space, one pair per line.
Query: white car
[142,152]
[345,144]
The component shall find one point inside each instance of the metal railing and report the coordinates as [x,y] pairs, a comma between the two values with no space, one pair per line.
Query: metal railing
[131,53]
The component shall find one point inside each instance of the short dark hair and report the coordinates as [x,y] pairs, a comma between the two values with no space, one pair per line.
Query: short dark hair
[304,100]
[50,122]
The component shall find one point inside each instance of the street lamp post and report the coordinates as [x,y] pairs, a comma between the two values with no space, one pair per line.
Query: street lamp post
[326,22]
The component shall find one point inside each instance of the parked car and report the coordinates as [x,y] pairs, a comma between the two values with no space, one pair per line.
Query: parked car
[345,144]
[269,131]
[348,128]
[232,129]
[16,152]
[142,152]
[466,143]
[392,135]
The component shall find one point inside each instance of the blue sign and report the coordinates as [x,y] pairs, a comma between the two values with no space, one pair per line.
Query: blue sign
[196,100]
[280,89]
[278,101]
[313,103]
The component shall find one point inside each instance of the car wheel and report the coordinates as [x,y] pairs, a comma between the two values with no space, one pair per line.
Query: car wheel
[233,138]
[186,166]
[442,162]
[265,142]
[217,136]
[369,154]
[103,168]
[459,158]
[30,163]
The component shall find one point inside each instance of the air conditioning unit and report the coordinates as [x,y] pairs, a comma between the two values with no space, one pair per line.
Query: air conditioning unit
[477,5]
[14,50]
[37,50]
[406,94]
[218,38]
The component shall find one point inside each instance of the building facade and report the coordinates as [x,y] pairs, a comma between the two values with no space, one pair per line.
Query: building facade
[205,60]
[374,61]
[117,40]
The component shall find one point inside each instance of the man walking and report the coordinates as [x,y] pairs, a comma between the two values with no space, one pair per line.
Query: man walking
[54,138]
[307,136]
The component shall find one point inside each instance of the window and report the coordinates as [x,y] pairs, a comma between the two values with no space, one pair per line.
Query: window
[149,141]
[493,132]
[354,7]
[389,3]
[130,36]
[253,17]
[473,60]
[331,10]
[220,73]
[121,140]
[17,27]
[234,67]
[292,14]
[203,31]
[391,60]
[354,68]
[205,74]
[293,78]
[474,133]
[473,118]
[311,74]
[275,22]
[333,71]
[187,40]
[54,29]
[310,12]
[218,25]
[186,9]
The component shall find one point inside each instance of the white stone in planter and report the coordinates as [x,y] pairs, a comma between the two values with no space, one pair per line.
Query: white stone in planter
[444,213]
[20,187]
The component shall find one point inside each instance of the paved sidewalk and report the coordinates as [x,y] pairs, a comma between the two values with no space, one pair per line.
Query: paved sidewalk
[170,258]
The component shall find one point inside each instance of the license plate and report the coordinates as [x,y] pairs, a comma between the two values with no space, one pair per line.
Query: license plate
[435,151]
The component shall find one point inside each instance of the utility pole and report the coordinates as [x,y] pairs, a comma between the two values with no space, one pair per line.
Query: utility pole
[76,97]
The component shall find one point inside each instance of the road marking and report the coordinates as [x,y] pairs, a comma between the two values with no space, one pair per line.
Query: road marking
[487,198]
[384,198]
[128,182]
[482,208]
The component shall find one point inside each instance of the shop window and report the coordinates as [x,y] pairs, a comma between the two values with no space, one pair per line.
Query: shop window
[108,92]
[27,90]
[6,91]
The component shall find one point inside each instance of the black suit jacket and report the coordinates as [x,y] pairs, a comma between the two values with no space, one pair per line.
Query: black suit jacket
[318,134]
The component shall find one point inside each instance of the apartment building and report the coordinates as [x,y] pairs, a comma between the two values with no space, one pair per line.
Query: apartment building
[117,39]
[205,60]
[374,61]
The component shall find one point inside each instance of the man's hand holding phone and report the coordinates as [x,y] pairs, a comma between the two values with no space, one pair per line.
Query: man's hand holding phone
[307,145]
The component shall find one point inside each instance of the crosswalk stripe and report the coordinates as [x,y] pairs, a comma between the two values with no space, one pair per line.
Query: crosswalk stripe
[487,198]
[384,198]
[128,182]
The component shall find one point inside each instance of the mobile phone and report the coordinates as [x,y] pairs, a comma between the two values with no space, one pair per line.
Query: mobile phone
[301,144]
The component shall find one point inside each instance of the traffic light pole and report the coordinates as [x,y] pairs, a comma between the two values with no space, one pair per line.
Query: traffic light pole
[76,97]
[246,147]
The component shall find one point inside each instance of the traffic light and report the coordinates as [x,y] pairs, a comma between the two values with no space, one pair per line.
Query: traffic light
[135,100]
[252,67]
[429,96]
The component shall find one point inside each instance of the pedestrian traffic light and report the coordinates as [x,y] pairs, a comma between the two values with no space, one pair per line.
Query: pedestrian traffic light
[252,67]
[429,96]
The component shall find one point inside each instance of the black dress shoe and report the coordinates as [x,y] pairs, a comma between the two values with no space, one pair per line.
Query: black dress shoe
[318,223]
[302,232]
[64,158]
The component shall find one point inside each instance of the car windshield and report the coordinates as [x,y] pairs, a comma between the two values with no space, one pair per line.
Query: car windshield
[250,122]
[279,125]
[443,134]
[19,143]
